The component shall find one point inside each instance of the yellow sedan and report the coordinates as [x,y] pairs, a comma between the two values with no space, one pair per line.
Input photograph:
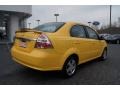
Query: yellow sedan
[58,46]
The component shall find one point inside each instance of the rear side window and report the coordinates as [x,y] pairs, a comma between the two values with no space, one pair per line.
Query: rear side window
[78,31]
[91,33]
[50,27]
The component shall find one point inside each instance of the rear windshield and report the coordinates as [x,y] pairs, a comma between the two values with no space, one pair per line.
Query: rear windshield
[50,27]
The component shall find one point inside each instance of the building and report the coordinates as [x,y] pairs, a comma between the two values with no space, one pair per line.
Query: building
[12,18]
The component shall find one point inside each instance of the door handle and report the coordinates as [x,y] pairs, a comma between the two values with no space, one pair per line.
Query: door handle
[93,43]
[76,43]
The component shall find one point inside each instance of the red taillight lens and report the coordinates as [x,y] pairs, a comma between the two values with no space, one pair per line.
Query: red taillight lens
[43,42]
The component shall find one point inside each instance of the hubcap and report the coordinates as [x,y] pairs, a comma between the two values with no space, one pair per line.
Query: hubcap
[105,54]
[71,67]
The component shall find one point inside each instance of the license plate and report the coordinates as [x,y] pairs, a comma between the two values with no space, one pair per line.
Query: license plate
[23,44]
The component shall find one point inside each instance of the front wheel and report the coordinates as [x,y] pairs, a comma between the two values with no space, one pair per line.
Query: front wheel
[104,54]
[69,67]
[118,42]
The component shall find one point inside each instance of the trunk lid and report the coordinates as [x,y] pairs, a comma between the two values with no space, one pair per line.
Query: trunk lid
[26,40]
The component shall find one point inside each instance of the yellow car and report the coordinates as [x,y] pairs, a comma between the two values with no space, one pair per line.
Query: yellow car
[58,46]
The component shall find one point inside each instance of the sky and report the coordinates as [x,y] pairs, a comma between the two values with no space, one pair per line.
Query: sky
[76,13]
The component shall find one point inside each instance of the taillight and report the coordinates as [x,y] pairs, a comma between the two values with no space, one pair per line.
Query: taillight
[43,42]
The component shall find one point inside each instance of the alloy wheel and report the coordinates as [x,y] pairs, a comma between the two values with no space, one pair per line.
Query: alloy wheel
[71,67]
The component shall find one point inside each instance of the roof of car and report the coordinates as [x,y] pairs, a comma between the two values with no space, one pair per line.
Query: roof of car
[76,23]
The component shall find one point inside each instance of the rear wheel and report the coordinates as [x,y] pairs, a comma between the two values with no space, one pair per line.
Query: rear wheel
[104,54]
[69,67]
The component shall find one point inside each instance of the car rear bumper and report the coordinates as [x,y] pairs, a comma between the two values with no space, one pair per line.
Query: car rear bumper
[37,59]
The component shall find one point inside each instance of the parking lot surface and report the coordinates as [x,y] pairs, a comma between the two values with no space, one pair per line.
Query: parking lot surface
[91,73]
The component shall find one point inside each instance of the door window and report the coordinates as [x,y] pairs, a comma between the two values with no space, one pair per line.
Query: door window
[91,33]
[78,31]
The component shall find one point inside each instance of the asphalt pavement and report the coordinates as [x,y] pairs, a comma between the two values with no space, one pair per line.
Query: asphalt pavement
[91,73]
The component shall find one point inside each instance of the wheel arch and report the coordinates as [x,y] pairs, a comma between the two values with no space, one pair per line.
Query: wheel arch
[75,56]
[105,48]
[71,55]
[68,53]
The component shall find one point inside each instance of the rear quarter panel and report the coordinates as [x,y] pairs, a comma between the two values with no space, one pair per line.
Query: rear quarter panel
[63,46]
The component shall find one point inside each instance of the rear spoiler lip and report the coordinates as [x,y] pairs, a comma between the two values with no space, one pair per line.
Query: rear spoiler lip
[28,39]
[28,30]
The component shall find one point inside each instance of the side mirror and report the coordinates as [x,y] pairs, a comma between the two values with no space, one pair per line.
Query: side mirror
[101,38]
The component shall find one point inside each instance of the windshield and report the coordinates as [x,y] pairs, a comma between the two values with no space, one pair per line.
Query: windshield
[50,27]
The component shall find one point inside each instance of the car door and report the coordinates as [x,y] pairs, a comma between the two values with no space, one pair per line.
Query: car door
[94,42]
[80,41]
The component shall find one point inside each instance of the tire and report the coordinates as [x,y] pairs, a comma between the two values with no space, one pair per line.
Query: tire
[70,66]
[104,54]
[117,41]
